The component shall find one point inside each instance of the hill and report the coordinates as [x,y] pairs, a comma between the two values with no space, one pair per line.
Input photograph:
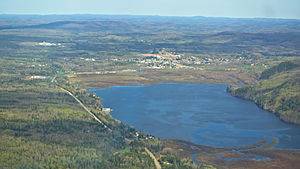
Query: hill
[89,26]
[197,23]
[278,91]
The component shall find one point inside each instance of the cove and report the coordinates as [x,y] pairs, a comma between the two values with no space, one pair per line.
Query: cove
[204,114]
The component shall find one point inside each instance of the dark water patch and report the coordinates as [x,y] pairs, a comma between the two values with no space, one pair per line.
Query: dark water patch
[201,113]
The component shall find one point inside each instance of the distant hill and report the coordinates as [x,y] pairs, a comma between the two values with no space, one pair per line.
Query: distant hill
[86,25]
[90,26]
[278,91]
[197,23]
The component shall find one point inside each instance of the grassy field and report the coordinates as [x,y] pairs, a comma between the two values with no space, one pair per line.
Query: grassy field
[147,77]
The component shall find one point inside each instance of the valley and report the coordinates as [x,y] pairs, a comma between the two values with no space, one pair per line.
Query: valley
[44,126]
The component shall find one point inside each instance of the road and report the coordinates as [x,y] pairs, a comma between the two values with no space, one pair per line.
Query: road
[85,108]
[82,105]
[157,165]
[53,79]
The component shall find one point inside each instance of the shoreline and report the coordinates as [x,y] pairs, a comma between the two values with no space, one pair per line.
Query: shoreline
[260,152]
[92,90]
[261,106]
[154,83]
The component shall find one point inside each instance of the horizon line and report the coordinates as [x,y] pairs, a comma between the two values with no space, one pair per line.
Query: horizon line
[188,16]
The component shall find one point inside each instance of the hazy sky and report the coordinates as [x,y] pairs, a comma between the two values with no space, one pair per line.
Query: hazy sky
[215,8]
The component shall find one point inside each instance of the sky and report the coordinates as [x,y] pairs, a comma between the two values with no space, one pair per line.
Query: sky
[209,8]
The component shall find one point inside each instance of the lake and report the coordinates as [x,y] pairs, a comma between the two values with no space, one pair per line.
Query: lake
[201,113]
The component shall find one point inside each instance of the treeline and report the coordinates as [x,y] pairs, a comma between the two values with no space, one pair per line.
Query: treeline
[284,66]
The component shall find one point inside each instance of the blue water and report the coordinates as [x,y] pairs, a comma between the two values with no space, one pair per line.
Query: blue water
[201,113]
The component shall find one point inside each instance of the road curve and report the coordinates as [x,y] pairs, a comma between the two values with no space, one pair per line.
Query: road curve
[157,165]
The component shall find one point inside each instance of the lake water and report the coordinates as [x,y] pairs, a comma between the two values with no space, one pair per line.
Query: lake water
[201,113]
